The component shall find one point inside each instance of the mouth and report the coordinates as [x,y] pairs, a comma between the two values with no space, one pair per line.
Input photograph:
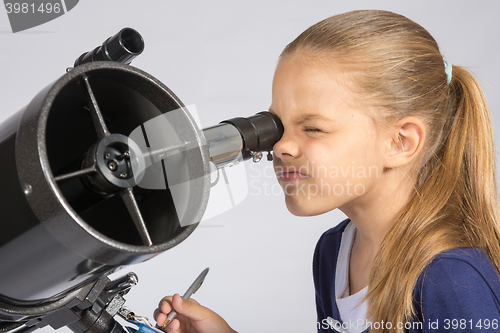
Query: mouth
[290,175]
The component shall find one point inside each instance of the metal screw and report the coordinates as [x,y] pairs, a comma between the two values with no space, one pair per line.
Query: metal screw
[269,156]
[28,189]
[112,166]
[123,175]
[126,313]
[107,155]
[124,155]
[256,156]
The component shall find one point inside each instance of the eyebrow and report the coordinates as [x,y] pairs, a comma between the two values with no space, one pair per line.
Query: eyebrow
[312,116]
[307,117]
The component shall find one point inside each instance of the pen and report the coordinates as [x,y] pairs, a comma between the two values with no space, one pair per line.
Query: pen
[191,290]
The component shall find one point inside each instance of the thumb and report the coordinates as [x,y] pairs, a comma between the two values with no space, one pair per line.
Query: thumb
[190,308]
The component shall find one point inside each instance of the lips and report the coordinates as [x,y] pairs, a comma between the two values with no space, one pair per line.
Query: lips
[290,174]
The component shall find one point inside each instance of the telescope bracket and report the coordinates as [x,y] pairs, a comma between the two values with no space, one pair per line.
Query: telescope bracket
[89,309]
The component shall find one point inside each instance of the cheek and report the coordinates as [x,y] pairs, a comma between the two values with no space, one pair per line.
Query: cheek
[351,158]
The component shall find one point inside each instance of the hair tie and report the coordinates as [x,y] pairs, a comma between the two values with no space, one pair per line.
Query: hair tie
[448,68]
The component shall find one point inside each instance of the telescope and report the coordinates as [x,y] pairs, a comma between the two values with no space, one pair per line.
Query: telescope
[104,168]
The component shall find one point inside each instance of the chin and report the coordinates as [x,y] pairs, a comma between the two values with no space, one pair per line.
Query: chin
[301,208]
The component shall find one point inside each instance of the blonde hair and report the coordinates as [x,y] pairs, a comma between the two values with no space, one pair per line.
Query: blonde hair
[397,64]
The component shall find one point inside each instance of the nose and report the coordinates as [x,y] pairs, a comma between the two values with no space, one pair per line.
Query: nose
[287,147]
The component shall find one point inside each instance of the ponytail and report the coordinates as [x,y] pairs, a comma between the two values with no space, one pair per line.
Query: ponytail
[455,205]
[478,183]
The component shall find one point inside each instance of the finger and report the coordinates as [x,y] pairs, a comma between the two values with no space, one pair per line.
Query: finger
[190,308]
[173,326]
[161,319]
[166,306]
[167,299]
[156,313]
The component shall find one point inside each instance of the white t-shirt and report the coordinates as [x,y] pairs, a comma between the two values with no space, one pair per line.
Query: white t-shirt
[353,316]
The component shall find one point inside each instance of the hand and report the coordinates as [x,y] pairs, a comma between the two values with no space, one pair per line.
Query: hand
[191,317]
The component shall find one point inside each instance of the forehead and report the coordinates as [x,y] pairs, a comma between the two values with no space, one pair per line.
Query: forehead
[304,85]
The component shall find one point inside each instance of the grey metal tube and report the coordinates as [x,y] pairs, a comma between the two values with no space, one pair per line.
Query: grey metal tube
[224,144]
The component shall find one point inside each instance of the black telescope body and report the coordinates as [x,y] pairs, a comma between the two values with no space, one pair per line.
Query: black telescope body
[62,232]
[72,206]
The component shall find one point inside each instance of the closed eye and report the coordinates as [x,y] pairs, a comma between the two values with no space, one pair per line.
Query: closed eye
[312,129]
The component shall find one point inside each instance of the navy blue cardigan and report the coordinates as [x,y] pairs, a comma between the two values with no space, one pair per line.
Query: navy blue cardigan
[459,290]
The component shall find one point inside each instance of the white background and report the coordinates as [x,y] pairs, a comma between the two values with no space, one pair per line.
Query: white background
[220,55]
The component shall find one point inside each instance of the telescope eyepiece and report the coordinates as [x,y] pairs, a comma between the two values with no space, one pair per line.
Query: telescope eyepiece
[243,138]
[259,132]
[123,47]
[131,41]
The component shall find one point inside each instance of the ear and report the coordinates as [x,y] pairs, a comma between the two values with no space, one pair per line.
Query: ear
[406,142]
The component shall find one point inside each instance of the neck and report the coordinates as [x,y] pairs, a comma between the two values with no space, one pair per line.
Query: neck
[375,212]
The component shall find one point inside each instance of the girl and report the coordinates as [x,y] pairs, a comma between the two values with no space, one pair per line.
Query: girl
[378,125]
